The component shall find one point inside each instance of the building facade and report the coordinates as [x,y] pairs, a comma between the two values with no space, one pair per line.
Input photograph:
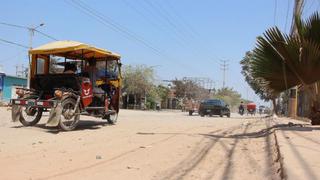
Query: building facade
[8,86]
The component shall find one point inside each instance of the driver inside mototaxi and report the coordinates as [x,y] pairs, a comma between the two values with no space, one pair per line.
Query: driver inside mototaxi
[94,75]
[96,71]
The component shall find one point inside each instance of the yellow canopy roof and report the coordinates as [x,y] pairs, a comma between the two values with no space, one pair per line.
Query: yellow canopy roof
[73,49]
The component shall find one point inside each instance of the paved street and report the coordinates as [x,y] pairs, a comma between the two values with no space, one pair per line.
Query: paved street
[143,145]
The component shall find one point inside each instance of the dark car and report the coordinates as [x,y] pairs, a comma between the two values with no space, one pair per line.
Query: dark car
[214,107]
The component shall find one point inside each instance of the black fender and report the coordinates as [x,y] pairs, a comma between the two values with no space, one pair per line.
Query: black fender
[16,111]
[55,114]
[56,111]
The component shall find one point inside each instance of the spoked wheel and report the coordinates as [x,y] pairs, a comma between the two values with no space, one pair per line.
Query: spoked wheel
[69,120]
[30,116]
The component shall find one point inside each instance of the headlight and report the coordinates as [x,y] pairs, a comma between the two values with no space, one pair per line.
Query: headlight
[58,94]
[20,92]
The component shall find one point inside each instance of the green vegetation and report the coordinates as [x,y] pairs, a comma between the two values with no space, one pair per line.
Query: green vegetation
[281,61]
[230,96]
[138,81]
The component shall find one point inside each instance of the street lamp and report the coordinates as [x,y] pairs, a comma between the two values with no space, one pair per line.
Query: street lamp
[31,31]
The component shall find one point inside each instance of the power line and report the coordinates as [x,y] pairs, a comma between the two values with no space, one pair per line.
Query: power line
[14,25]
[164,15]
[154,23]
[203,82]
[30,29]
[108,22]
[184,22]
[166,18]
[183,34]
[114,26]
[189,31]
[46,35]
[14,43]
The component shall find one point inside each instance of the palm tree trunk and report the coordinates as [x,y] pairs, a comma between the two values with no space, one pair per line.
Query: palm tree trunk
[135,101]
[127,101]
[275,107]
[314,105]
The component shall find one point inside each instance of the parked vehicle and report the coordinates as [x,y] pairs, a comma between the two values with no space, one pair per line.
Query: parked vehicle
[251,108]
[214,107]
[70,79]
[191,106]
[261,109]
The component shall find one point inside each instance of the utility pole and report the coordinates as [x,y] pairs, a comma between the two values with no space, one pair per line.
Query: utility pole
[297,11]
[31,30]
[293,99]
[224,68]
[17,70]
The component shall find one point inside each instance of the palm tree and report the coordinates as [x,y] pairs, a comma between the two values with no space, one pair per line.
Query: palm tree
[283,61]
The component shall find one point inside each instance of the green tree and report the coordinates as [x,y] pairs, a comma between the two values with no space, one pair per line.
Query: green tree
[230,96]
[138,80]
[189,89]
[256,84]
[157,94]
[162,92]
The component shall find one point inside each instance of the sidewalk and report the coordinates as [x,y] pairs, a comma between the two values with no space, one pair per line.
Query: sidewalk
[299,145]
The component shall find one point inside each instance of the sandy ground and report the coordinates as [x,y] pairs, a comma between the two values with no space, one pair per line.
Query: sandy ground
[299,145]
[143,145]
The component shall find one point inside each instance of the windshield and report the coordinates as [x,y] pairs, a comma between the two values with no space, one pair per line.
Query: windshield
[60,65]
[112,69]
[108,69]
[213,102]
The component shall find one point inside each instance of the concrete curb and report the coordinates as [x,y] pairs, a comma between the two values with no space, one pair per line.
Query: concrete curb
[298,145]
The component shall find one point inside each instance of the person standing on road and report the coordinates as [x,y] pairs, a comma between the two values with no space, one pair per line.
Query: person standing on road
[241,108]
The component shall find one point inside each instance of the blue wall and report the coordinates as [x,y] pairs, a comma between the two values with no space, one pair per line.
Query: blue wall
[8,83]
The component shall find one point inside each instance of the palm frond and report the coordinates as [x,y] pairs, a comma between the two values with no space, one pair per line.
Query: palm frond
[283,61]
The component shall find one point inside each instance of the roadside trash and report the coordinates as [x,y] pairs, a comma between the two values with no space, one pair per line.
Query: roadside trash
[128,167]
[145,133]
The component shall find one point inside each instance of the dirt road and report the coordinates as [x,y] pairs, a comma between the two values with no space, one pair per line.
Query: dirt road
[143,145]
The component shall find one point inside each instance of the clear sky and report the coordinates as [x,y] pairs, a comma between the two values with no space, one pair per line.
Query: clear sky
[177,37]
